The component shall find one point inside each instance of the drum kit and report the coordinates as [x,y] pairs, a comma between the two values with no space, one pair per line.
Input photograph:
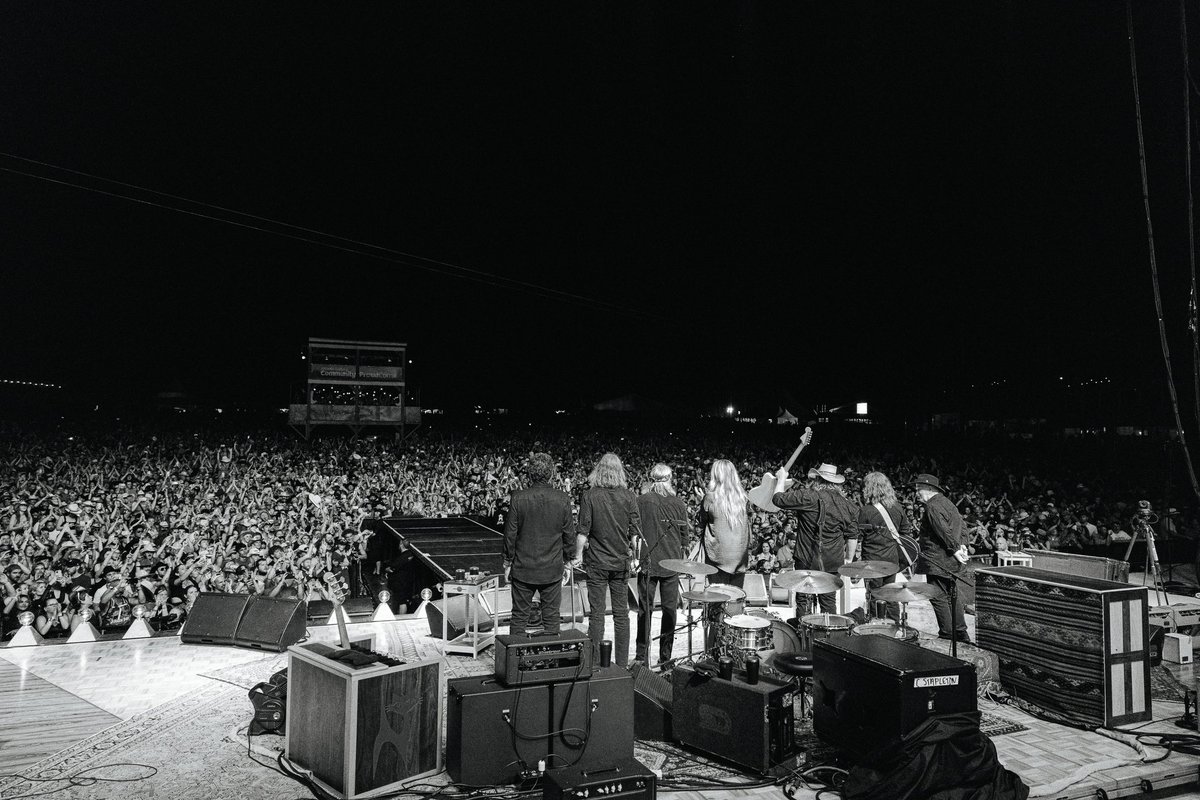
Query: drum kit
[729,630]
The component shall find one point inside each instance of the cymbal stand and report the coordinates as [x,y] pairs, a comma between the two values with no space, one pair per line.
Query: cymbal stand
[904,620]
[691,579]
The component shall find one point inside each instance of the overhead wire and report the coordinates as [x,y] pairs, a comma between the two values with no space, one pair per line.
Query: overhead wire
[314,236]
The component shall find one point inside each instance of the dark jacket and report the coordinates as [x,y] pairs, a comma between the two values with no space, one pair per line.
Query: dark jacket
[825,521]
[608,517]
[666,529]
[875,537]
[942,531]
[539,534]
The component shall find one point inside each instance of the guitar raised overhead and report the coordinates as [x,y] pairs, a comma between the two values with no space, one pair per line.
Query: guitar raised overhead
[761,495]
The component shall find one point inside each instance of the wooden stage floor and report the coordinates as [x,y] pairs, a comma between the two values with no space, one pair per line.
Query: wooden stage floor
[54,695]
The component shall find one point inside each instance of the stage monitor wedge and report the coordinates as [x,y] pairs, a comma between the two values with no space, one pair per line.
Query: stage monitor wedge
[214,618]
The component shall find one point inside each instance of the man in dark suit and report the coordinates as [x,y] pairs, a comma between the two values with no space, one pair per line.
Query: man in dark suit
[539,536]
[665,527]
[942,534]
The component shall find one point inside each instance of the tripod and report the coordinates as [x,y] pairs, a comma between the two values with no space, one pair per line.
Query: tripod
[1143,526]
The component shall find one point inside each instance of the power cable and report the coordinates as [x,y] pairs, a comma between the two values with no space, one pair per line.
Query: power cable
[309,235]
[1162,330]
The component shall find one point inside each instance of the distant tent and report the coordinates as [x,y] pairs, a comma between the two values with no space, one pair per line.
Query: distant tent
[787,418]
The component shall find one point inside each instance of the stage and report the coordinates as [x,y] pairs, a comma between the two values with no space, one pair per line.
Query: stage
[182,710]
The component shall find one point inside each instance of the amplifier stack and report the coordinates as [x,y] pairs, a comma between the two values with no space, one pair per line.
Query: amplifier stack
[546,708]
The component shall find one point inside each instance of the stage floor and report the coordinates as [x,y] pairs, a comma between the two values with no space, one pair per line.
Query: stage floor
[55,694]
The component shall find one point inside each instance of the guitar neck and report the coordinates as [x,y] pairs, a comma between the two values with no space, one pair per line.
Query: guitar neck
[342,632]
[795,454]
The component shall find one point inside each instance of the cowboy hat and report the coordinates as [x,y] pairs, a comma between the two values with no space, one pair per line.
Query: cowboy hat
[827,472]
[925,479]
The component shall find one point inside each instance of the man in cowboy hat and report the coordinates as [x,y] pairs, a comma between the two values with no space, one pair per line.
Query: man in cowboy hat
[826,523]
[942,534]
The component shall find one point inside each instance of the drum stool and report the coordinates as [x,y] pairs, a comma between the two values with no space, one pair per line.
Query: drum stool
[800,669]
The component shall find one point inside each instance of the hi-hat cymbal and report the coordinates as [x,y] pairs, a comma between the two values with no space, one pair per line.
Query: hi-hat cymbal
[868,569]
[807,581]
[905,593]
[705,596]
[697,568]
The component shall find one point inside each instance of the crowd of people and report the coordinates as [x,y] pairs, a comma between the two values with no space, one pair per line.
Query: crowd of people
[98,523]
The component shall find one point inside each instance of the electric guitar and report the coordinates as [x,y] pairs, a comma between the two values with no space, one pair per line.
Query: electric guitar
[337,595]
[761,495]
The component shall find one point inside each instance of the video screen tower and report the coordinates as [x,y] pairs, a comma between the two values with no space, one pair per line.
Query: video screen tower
[356,384]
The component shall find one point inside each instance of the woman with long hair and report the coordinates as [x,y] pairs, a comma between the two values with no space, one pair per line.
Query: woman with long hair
[725,524]
[608,523]
[880,521]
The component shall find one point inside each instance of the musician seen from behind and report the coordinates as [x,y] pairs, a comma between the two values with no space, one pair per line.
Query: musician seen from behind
[539,535]
[881,521]
[943,554]
[666,534]
[726,524]
[609,522]
[826,523]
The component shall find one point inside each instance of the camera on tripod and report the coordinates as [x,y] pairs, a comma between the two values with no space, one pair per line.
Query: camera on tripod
[1145,511]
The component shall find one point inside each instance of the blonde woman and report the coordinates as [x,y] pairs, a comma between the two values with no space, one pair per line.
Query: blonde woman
[876,541]
[608,522]
[725,524]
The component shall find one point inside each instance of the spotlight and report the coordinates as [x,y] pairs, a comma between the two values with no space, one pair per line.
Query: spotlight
[140,629]
[25,636]
[426,593]
[383,611]
[87,631]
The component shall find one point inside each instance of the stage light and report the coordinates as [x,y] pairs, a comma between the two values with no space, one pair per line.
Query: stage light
[383,611]
[140,629]
[426,593]
[25,636]
[85,632]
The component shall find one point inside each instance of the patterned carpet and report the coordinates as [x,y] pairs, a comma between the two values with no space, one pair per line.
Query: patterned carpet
[198,746]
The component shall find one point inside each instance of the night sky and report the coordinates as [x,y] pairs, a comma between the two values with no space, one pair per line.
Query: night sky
[732,201]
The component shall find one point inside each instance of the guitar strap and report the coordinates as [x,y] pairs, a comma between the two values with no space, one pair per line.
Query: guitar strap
[887,518]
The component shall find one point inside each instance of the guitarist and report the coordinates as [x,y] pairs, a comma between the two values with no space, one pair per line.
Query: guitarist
[881,523]
[826,523]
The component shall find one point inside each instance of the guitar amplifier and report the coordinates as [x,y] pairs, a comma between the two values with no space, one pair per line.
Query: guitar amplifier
[1075,646]
[590,719]
[362,730]
[625,779]
[494,732]
[870,691]
[525,660]
[751,724]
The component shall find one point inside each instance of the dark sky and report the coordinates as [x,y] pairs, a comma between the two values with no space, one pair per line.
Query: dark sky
[745,200]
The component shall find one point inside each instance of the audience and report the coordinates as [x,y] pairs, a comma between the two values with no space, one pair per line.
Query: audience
[125,518]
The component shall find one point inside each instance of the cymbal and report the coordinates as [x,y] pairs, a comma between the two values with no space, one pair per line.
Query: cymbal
[906,593]
[807,581]
[868,569]
[705,596]
[696,568]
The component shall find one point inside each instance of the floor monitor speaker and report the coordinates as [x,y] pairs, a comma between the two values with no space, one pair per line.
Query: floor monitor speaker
[271,623]
[214,618]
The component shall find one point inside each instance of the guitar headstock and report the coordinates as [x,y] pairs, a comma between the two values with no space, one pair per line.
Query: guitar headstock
[806,439]
[336,588]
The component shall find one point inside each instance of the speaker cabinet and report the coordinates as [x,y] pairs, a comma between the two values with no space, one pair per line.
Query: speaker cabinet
[870,691]
[493,732]
[1073,645]
[214,618]
[651,705]
[362,731]
[270,623]
[457,622]
[748,724]
[591,719]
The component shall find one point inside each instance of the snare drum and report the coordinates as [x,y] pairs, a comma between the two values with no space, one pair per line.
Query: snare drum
[814,627]
[888,629]
[744,632]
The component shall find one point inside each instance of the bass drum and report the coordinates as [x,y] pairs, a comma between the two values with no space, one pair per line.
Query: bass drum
[784,641]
